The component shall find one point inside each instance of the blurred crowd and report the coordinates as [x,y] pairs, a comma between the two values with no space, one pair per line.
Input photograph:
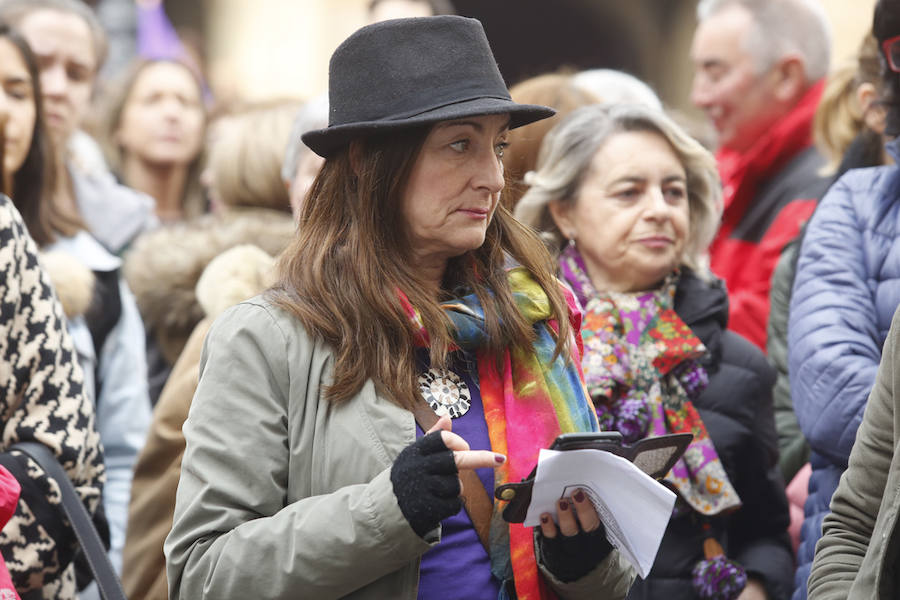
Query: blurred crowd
[139,210]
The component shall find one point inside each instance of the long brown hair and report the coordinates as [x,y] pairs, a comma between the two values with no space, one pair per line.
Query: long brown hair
[35,182]
[839,118]
[341,274]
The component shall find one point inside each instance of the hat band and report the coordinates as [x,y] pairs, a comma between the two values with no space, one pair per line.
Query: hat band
[418,113]
[440,106]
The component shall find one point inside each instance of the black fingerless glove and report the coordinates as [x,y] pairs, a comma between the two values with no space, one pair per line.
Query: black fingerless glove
[426,483]
[571,558]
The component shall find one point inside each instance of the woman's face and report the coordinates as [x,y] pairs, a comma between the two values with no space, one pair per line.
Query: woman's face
[67,61]
[17,108]
[454,188]
[630,218]
[163,118]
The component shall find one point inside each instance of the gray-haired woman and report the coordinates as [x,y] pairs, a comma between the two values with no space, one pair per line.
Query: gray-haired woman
[629,203]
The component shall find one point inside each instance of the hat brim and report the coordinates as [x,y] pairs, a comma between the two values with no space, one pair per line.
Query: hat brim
[325,142]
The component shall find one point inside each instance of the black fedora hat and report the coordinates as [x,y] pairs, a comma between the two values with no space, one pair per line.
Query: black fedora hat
[409,72]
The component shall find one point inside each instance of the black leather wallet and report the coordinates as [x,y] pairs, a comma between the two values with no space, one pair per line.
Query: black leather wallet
[654,456]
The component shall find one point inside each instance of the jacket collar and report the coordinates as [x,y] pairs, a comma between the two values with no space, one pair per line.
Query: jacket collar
[114,214]
[741,172]
[87,250]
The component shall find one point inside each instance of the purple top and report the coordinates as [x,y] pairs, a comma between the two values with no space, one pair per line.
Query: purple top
[459,567]
[156,37]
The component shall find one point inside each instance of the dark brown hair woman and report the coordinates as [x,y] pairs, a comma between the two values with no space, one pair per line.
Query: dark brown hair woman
[410,297]
[28,169]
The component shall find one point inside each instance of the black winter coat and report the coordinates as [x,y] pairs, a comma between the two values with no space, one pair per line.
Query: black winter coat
[737,409]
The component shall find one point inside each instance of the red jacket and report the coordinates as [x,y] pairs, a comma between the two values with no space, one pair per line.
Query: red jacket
[770,190]
[9,499]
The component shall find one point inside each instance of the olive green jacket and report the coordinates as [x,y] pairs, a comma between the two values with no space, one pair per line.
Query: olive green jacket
[858,556]
[283,495]
[792,446]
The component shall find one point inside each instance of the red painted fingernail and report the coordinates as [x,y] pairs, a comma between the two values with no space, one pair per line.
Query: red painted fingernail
[579,496]
[545,519]
[563,505]
[499,458]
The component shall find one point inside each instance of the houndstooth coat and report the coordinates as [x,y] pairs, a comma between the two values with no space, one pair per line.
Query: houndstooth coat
[41,400]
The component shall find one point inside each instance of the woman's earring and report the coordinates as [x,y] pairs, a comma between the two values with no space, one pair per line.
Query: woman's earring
[571,238]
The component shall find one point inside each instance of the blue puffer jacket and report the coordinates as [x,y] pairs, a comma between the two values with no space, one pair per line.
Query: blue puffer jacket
[845,293]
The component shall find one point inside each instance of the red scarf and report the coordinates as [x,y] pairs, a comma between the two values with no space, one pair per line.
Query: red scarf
[742,172]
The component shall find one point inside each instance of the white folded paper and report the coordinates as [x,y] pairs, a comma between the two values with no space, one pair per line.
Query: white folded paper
[634,507]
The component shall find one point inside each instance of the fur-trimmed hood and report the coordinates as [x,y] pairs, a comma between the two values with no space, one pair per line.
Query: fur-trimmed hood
[72,262]
[236,275]
[73,282]
[164,266]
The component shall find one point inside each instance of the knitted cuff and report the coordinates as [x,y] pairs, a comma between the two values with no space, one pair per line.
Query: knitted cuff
[426,483]
[571,558]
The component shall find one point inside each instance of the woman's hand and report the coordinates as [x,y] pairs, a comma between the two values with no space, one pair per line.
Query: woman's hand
[578,544]
[584,517]
[462,455]
[425,475]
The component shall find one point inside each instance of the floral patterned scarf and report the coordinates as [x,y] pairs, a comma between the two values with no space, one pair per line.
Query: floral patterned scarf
[642,372]
[527,403]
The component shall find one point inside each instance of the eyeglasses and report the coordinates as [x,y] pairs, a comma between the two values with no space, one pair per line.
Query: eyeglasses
[891,49]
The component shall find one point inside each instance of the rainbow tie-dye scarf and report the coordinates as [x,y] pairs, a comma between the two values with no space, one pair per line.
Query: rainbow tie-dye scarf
[527,404]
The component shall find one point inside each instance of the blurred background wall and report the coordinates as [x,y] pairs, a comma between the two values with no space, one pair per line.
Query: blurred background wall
[270,48]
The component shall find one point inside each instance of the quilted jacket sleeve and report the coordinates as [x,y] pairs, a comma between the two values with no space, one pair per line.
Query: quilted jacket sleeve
[860,509]
[833,336]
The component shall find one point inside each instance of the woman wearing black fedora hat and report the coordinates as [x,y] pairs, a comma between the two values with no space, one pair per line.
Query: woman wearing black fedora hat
[320,461]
